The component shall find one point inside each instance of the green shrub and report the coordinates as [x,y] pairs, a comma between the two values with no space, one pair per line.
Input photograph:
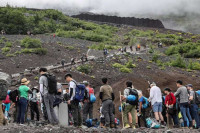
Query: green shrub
[84,69]
[8,44]
[155,57]
[179,62]
[194,65]
[148,67]
[117,65]
[27,51]
[130,64]
[10,55]
[40,51]
[5,50]
[31,43]
[125,70]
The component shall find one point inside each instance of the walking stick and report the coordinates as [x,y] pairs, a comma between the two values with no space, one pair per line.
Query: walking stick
[167,116]
[121,109]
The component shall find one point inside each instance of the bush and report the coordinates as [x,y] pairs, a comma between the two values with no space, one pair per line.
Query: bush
[130,64]
[10,55]
[31,43]
[40,51]
[8,44]
[125,70]
[194,65]
[155,57]
[27,51]
[179,62]
[5,50]
[117,65]
[84,69]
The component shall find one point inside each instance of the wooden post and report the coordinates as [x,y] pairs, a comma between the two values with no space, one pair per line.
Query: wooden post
[121,108]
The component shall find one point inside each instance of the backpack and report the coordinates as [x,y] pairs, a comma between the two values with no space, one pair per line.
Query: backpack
[152,123]
[5,81]
[79,92]
[7,100]
[197,98]
[135,93]
[91,95]
[14,95]
[52,83]
[145,103]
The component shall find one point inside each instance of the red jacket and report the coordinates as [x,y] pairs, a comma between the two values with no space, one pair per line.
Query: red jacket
[170,99]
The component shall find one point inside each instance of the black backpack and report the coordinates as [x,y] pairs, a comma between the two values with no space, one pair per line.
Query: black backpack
[52,83]
[14,95]
[135,93]
[197,98]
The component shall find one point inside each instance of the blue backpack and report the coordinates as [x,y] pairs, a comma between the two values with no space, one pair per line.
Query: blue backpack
[152,123]
[80,92]
[145,103]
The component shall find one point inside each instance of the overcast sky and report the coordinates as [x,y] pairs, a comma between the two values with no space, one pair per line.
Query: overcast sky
[120,7]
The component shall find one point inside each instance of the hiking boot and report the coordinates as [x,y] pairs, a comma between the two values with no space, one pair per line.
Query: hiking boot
[112,125]
[133,127]
[84,127]
[176,126]
[127,126]
[136,126]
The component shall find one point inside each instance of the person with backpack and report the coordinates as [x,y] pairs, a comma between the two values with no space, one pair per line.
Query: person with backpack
[75,98]
[183,95]
[170,102]
[48,89]
[194,101]
[107,97]
[7,103]
[23,100]
[130,104]
[88,104]
[156,102]
[34,104]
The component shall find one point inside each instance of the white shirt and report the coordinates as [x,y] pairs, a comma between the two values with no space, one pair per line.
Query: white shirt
[72,85]
[155,95]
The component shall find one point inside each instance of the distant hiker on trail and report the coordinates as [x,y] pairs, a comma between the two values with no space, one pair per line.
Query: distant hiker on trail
[170,102]
[7,103]
[23,100]
[34,104]
[3,32]
[124,50]
[156,102]
[73,102]
[183,94]
[194,106]
[160,45]
[138,47]
[82,59]
[131,48]
[130,104]
[107,96]
[48,89]
[88,104]
[58,98]
[63,63]
[105,52]
[28,33]
[73,61]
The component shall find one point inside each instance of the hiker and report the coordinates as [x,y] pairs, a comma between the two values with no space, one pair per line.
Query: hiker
[34,104]
[48,88]
[58,98]
[7,103]
[73,61]
[3,32]
[82,59]
[74,104]
[170,102]
[130,105]
[23,100]
[63,63]
[193,106]
[160,45]
[131,48]
[138,47]
[142,106]
[107,97]
[88,104]
[156,102]
[183,94]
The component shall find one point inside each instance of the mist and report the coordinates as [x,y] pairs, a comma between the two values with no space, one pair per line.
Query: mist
[118,7]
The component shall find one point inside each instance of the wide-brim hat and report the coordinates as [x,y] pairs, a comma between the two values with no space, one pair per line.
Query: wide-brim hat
[35,88]
[24,81]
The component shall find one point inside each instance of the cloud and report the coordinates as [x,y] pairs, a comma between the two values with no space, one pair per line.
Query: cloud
[120,7]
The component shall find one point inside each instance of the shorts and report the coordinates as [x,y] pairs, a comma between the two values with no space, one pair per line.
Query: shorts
[157,107]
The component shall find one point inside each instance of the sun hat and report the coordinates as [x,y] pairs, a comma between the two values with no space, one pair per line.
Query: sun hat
[24,81]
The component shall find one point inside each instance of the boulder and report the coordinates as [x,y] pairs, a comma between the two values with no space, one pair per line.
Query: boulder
[5,82]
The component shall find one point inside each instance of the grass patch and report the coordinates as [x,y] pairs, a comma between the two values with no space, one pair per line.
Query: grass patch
[5,50]
[84,68]
[31,43]
[125,70]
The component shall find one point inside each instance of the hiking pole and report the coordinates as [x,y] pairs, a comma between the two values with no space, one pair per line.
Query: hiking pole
[121,109]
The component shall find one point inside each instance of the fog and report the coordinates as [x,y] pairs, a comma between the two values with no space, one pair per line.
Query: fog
[119,7]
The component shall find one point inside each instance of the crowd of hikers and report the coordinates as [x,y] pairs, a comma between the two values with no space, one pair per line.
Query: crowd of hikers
[136,109]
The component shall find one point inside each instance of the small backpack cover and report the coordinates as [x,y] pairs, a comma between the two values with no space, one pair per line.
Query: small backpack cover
[80,92]
[197,98]
[14,95]
[52,83]
[5,81]
[7,100]
[145,103]
[152,123]
[135,93]
[91,95]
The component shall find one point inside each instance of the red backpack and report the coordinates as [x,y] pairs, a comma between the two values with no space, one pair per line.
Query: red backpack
[91,91]
[7,100]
